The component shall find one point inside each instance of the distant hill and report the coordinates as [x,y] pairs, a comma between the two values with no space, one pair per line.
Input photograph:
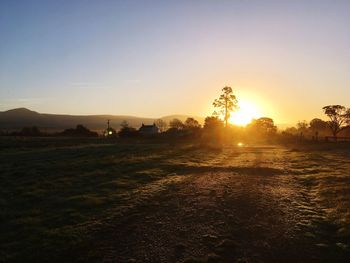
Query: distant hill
[16,119]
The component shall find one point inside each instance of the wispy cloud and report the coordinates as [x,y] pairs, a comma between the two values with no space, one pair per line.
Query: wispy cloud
[88,85]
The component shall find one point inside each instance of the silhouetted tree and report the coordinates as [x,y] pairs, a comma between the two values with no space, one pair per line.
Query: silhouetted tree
[191,123]
[263,126]
[291,130]
[124,124]
[161,124]
[30,131]
[289,134]
[213,123]
[79,131]
[226,103]
[302,126]
[126,132]
[192,127]
[213,131]
[339,118]
[347,117]
[318,125]
[176,124]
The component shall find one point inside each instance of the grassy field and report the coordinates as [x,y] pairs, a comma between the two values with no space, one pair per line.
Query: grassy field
[53,189]
[56,193]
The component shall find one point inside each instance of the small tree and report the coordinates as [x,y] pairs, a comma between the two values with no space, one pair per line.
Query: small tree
[127,132]
[176,124]
[124,124]
[79,131]
[339,118]
[30,131]
[291,131]
[191,123]
[263,126]
[161,124]
[213,131]
[213,123]
[317,125]
[302,126]
[192,127]
[226,103]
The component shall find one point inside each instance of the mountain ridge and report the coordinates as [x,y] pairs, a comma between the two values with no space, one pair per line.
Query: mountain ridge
[18,118]
[15,119]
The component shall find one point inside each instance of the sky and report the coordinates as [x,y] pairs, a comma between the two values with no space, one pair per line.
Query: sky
[154,58]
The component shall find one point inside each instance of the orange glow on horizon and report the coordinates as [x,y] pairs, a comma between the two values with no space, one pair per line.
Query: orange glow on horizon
[245,114]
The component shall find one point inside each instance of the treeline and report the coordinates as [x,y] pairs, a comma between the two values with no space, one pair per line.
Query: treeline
[338,125]
[213,131]
[34,131]
[216,129]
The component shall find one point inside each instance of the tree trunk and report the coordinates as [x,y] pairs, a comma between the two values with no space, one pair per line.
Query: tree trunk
[335,132]
[226,113]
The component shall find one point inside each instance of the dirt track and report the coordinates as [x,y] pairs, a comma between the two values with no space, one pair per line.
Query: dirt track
[244,215]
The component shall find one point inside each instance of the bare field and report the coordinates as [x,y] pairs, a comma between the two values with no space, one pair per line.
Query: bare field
[100,201]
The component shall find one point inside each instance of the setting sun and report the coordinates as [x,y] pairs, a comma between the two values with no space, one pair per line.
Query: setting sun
[244,115]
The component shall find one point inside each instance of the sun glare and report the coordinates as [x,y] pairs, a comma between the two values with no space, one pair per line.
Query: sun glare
[245,114]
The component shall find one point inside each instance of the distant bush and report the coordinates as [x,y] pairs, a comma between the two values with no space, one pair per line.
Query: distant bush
[184,133]
[28,131]
[213,123]
[128,132]
[176,124]
[79,131]
[213,131]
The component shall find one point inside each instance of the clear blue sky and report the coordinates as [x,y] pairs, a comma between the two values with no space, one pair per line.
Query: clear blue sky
[153,58]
